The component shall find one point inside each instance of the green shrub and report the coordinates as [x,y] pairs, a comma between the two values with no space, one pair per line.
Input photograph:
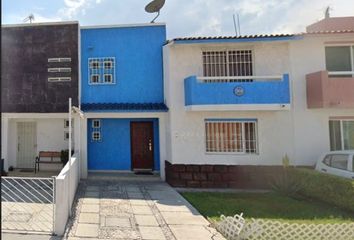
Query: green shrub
[324,187]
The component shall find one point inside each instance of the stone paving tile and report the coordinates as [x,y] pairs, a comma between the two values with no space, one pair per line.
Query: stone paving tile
[132,189]
[141,210]
[92,194]
[91,200]
[90,208]
[119,233]
[92,189]
[115,221]
[164,195]
[146,220]
[172,207]
[186,232]
[87,230]
[173,218]
[140,202]
[89,218]
[135,195]
[151,233]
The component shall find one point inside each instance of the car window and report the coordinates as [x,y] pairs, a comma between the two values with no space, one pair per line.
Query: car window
[339,161]
[327,160]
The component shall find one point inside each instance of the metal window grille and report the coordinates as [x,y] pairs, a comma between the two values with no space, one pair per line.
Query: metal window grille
[96,123]
[95,78]
[231,137]
[228,63]
[108,78]
[96,136]
[102,67]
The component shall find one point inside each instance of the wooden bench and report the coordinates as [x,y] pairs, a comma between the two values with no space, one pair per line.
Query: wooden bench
[47,155]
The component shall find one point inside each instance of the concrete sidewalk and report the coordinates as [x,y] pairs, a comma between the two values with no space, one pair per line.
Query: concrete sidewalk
[125,209]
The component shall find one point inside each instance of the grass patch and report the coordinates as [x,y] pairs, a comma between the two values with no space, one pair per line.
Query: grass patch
[267,206]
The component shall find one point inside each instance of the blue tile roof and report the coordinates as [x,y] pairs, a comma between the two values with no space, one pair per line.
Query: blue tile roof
[125,107]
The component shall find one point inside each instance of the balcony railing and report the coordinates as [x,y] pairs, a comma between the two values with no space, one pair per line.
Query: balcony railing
[330,89]
[237,93]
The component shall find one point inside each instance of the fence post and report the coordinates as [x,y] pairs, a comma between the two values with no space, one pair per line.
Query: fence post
[54,204]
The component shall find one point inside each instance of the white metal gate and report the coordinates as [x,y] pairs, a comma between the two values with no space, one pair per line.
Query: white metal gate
[27,204]
[26,144]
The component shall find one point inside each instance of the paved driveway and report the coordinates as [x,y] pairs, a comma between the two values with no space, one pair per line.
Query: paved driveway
[135,210]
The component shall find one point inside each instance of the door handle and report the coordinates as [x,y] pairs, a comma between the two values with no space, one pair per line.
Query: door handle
[150,146]
[18,147]
[324,170]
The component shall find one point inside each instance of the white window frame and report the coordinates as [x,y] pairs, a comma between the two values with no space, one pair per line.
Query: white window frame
[227,50]
[61,59]
[351,47]
[108,61]
[96,121]
[59,79]
[93,138]
[66,123]
[102,70]
[104,78]
[66,135]
[243,152]
[98,77]
[59,70]
[341,120]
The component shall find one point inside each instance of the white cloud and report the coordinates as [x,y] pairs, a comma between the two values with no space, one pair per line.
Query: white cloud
[75,8]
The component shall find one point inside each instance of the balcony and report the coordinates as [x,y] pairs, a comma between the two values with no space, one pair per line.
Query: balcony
[330,90]
[246,93]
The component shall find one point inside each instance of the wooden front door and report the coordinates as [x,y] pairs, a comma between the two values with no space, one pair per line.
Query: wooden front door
[142,145]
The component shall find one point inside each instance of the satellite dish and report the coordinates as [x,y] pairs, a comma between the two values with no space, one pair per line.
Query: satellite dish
[155,6]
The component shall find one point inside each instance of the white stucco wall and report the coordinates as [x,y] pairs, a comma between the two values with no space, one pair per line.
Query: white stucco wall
[301,133]
[311,136]
[187,139]
[50,137]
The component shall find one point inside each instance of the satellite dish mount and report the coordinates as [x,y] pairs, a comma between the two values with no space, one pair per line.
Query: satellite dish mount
[155,7]
[30,18]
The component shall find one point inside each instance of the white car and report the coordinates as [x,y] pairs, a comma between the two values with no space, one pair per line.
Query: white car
[339,163]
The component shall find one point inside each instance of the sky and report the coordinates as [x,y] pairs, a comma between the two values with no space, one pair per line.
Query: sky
[184,18]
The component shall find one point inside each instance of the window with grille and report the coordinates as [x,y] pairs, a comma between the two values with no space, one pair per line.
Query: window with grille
[96,130]
[231,136]
[229,63]
[96,123]
[101,70]
[96,136]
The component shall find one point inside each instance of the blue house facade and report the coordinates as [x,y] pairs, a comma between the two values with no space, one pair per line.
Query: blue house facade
[122,96]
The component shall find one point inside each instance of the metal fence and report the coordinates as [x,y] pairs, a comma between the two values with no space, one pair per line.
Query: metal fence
[28,204]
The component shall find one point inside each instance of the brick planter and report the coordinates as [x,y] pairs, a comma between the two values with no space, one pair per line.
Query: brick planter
[220,176]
